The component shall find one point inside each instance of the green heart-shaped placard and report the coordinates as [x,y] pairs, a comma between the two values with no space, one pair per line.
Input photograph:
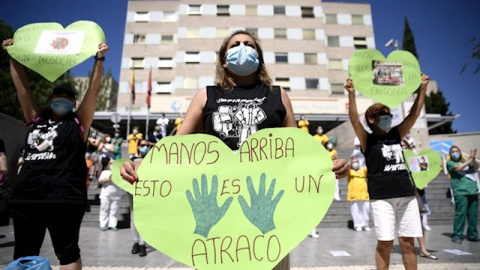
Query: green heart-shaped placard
[388,81]
[424,166]
[50,50]
[210,208]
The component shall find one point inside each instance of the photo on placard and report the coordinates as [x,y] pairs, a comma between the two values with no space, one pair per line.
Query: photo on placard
[418,163]
[387,73]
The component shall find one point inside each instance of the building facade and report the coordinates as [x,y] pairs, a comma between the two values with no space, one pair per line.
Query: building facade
[306,44]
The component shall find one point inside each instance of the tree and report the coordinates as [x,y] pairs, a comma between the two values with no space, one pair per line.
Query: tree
[408,42]
[436,103]
[475,55]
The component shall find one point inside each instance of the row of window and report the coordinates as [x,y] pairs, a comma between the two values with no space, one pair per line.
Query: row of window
[250,10]
[279,33]
[194,58]
[166,87]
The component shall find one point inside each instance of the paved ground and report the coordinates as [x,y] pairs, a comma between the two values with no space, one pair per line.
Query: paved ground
[111,251]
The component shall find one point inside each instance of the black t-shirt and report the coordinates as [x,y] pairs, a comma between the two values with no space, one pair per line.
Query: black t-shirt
[387,173]
[234,115]
[54,170]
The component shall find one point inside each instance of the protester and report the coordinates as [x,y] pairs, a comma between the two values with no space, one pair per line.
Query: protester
[242,85]
[392,194]
[320,137]
[162,123]
[106,149]
[110,197]
[464,178]
[357,194]
[133,140]
[50,192]
[155,136]
[117,145]
[178,123]
[333,155]
[303,123]
[93,142]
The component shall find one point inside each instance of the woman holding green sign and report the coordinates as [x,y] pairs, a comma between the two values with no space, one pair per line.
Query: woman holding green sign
[242,101]
[51,192]
[392,194]
[465,192]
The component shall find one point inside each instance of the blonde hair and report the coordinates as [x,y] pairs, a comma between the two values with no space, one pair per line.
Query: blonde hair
[222,77]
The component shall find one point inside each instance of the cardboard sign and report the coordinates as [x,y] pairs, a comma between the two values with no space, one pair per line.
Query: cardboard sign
[50,50]
[210,208]
[424,166]
[388,81]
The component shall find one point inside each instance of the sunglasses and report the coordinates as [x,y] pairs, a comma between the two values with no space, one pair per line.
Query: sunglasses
[384,113]
[143,145]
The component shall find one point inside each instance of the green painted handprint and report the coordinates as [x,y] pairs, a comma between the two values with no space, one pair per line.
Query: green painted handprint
[262,208]
[205,207]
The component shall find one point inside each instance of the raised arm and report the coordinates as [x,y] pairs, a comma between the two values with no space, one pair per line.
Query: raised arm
[289,120]
[193,118]
[30,107]
[416,110]
[353,114]
[89,103]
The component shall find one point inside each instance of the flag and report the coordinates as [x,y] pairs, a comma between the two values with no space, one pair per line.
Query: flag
[132,85]
[149,88]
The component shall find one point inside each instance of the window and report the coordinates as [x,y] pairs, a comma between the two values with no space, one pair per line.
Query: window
[252,31]
[281,58]
[165,63]
[337,88]
[280,33]
[137,62]
[167,39]
[250,10]
[308,34]
[192,57]
[163,88]
[357,19]
[190,83]
[331,19]
[194,10]
[360,42]
[333,41]
[193,32]
[307,12]
[311,83]
[279,10]
[222,32]
[141,16]
[311,59]
[335,64]
[223,10]
[283,82]
[139,39]
[169,16]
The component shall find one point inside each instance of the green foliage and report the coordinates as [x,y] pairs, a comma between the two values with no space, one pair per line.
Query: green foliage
[475,57]
[435,103]
[408,42]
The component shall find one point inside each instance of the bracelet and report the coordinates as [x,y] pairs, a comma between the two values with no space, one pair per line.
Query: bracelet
[99,58]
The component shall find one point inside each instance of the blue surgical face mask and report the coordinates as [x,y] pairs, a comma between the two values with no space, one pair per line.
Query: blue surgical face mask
[455,156]
[143,150]
[61,106]
[385,122]
[242,60]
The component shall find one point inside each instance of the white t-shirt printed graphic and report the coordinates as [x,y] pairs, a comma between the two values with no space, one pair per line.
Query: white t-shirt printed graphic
[42,140]
[393,152]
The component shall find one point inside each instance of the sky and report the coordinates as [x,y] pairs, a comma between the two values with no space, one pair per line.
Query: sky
[443,30]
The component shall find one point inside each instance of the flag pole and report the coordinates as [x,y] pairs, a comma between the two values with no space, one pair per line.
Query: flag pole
[149,91]
[130,104]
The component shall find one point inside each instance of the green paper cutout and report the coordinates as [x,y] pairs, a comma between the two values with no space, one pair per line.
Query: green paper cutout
[59,46]
[424,166]
[388,81]
[269,195]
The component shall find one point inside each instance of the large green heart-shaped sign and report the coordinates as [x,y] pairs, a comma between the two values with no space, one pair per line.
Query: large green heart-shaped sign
[50,50]
[424,166]
[210,208]
[388,81]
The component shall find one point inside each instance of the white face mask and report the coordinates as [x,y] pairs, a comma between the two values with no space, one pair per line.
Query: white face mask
[108,139]
[329,146]
[355,166]
[135,131]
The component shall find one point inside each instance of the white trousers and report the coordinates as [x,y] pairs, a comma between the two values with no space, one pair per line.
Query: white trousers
[136,236]
[360,213]
[109,212]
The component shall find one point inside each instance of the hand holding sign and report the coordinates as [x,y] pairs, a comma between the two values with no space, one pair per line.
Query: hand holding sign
[388,81]
[50,50]
[207,223]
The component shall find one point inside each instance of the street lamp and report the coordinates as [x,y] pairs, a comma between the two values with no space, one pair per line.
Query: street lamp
[392,42]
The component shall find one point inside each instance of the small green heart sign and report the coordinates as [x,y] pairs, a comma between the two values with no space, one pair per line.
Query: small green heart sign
[388,81]
[50,50]
[210,208]
[424,166]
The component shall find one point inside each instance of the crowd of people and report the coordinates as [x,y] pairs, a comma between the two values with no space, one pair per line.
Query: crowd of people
[52,194]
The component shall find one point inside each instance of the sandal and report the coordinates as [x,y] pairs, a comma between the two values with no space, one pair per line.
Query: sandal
[428,256]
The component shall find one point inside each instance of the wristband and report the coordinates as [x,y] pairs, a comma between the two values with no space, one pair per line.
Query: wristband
[99,58]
